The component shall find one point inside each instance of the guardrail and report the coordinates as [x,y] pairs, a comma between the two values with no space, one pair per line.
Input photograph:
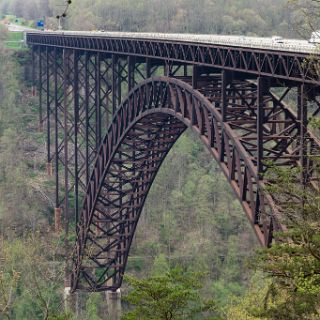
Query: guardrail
[288,45]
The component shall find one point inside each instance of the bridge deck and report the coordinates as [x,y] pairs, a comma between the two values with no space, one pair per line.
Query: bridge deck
[259,56]
[288,45]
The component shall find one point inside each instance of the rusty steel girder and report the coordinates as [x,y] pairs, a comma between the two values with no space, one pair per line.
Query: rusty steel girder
[236,121]
[263,62]
[110,124]
[78,93]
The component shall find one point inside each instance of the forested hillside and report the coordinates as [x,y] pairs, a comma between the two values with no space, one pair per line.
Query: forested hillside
[248,17]
[191,219]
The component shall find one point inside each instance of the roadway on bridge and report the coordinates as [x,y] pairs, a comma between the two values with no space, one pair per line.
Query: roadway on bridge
[268,43]
[19,28]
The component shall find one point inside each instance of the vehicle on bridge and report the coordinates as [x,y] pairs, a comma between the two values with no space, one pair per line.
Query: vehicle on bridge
[315,37]
[277,39]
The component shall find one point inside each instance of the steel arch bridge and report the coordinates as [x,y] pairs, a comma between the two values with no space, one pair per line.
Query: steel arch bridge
[113,106]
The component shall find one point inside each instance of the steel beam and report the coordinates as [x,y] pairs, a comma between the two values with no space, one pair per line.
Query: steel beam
[40,88]
[86,115]
[34,81]
[76,108]
[267,62]
[131,72]
[49,65]
[56,141]
[115,83]
[303,137]
[262,90]
[66,82]
[98,100]
[108,145]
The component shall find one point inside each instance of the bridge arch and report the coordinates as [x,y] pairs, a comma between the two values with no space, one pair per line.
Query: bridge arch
[143,130]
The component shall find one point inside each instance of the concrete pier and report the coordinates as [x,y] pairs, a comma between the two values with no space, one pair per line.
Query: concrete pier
[114,304]
[49,169]
[57,220]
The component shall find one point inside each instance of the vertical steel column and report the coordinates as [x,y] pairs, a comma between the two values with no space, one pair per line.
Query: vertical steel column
[49,164]
[92,107]
[57,211]
[86,105]
[67,163]
[79,141]
[185,70]
[76,129]
[223,110]
[33,71]
[260,122]
[98,99]
[115,80]
[259,202]
[105,92]
[66,138]
[166,68]
[119,82]
[40,90]
[148,68]
[131,67]
[303,120]
[224,102]
[195,76]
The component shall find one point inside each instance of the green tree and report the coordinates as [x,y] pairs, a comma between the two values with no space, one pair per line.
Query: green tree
[172,296]
[293,262]
[250,304]
[305,15]
[160,265]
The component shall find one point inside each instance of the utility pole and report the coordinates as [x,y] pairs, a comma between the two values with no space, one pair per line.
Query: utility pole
[63,14]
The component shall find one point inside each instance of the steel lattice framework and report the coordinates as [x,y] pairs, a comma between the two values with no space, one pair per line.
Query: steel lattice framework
[113,108]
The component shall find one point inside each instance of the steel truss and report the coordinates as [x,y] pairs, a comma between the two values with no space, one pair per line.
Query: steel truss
[111,120]
[270,63]
[78,93]
[241,123]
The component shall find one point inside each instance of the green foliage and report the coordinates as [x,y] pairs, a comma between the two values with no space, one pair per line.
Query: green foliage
[160,265]
[14,40]
[306,15]
[293,262]
[173,295]
[92,307]
[248,306]
[15,36]
[192,220]
[3,33]
[20,188]
[251,17]
[30,278]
